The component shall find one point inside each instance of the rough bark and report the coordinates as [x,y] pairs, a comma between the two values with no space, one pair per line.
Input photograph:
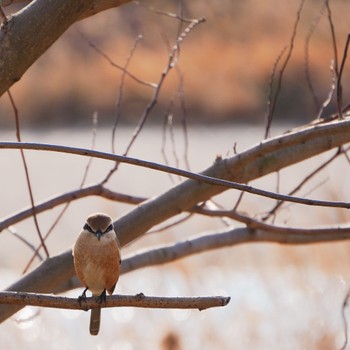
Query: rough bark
[30,32]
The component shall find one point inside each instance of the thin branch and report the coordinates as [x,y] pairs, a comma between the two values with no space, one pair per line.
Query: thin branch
[260,225]
[26,171]
[28,244]
[120,92]
[282,70]
[306,54]
[65,208]
[138,300]
[115,65]
[305,180]
[339,85]
[345,322]
[164,13]
[227,237]
[163,168]
[94,190]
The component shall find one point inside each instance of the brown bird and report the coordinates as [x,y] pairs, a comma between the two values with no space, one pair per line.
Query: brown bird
[97,261]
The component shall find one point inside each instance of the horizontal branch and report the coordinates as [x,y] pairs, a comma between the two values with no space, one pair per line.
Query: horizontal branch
[63,263]
[138,300]
[229,237]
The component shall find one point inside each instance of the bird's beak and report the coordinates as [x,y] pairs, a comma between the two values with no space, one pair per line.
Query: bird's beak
[98,234]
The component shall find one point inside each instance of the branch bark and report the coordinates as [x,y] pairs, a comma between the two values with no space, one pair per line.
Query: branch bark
[31,31]
[138,300]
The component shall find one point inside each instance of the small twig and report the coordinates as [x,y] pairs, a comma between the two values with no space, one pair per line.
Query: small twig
[328,99]
[339,86]
[94,190]
[304,181]
[29,186]
[120,95]
[115,65]
[170,65]
[28,244]
[282,70]
[164,13]
[345,322]
[306,54]
[67,203]
[138,300]
[334,40]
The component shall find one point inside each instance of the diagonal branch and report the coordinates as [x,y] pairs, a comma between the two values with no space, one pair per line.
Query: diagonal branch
[31,31]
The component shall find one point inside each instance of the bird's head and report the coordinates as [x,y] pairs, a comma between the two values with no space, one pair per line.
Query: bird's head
[99,224]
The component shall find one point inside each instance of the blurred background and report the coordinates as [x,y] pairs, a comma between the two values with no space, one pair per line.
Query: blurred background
[281,297]
[225,63]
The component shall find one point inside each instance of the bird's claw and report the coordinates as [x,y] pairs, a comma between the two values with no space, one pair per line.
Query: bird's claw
[82,297]
[102,297]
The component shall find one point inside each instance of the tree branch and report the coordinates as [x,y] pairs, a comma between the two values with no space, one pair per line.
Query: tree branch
[138,300]
[52,275]
[264,158]
[31,31]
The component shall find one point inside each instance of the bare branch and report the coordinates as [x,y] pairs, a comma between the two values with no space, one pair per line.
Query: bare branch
[138,300]
[94,190]
[26,172]
[54,272]
[272,105]
[260,160]
[30,32]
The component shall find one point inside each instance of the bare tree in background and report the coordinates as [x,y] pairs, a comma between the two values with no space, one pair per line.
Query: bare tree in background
[33,29]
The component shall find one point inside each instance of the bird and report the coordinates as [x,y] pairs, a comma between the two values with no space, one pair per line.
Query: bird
[97,259]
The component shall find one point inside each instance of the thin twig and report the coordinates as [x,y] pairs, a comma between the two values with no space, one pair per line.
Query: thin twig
[170,65]
[28,244]
[304,181]
[306,54]
[339,85]
[94,190]
[282,70]
[67,204]
[120,92]
[115,65]
[164,13]
[345,322]
[138,300]
[29,186]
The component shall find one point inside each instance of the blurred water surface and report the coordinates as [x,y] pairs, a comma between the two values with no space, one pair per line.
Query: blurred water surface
[281,297]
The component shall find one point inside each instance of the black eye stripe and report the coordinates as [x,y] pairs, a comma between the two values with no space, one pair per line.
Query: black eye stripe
[109,228]
[88,228]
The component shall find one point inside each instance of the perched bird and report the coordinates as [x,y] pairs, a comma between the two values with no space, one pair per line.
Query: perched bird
[97,261]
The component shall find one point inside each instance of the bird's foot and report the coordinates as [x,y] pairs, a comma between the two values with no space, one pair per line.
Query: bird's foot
[102,297]
[82,297]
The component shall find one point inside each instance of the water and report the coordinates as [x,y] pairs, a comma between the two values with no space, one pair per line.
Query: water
[281,297]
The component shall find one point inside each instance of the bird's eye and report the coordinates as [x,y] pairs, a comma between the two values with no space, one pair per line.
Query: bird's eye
[109,228]
[88,228]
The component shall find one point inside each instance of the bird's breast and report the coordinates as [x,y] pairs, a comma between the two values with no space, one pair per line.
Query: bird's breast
[97,262]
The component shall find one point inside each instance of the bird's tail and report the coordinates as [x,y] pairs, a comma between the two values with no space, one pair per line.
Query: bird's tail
[95,321]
